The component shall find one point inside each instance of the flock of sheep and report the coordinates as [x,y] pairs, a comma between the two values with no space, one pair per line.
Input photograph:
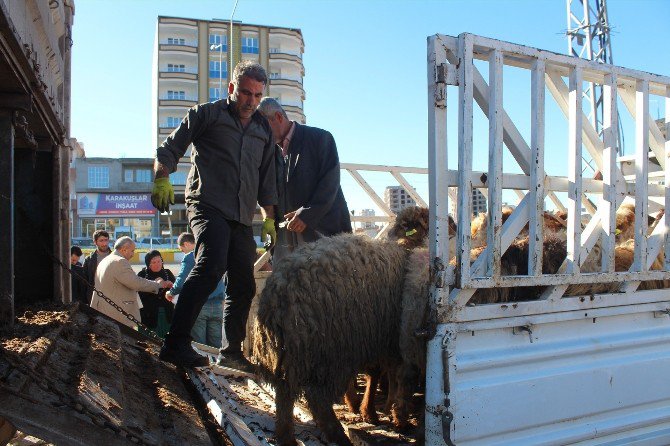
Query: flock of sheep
[348,304]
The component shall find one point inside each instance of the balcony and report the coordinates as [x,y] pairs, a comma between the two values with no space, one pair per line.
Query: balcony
[186,48]
[165,129]
[187,101]
[280,54]
[289,35]
[292,108]
[286,82]
[164,74]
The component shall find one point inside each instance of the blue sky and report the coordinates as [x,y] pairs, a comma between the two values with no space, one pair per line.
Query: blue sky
[365,63]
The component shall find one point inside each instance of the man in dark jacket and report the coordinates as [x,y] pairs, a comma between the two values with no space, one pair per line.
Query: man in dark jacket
[232,169]
[102,250]
[308,181]
[79,286]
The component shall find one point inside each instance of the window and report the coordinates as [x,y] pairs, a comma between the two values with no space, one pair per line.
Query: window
[214,69]
[275,75]
[178,178]
[98,177]
[175,68]
[218,70]
[250,45]
[178,95]
[176,41]
[143,176]
[218,39]
[173,121]
[214,94]
[128,175]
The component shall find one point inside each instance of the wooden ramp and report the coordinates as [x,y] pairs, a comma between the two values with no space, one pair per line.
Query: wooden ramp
[72,376]
[244,407]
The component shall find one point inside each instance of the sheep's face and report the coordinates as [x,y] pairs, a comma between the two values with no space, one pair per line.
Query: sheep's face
[410,229]
[625,223]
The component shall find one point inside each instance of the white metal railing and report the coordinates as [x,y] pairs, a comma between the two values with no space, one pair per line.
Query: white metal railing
[452,64]
[357,172]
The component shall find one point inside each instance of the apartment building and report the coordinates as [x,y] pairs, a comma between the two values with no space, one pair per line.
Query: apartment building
[193,62]
[479,203]
[397,198]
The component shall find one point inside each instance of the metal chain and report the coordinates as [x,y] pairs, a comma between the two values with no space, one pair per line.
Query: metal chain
[146,331]
[46,383]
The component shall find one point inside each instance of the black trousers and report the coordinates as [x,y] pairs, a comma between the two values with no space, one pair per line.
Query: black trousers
[220,245]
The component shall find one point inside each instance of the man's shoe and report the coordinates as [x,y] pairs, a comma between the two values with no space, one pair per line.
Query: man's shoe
[182,356]
[235,360]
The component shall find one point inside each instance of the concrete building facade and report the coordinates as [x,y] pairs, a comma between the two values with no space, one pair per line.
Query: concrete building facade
[113,193]
[397,198]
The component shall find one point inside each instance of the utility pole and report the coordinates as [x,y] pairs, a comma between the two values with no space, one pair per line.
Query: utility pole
[589,38]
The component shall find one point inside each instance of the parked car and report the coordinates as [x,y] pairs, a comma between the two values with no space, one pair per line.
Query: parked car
[83,242]
[152,243]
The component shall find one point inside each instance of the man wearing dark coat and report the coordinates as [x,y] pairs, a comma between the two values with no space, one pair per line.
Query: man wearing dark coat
[308,182]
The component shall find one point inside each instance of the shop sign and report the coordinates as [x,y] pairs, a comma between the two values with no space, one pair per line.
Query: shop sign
[115,204]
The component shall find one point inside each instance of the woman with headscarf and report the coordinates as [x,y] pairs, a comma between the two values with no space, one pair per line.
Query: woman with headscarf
[157,311]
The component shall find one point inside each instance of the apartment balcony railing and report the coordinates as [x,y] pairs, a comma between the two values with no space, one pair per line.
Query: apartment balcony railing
[286,82]
[186,101]
[187,75]
[282,53]
[186,48]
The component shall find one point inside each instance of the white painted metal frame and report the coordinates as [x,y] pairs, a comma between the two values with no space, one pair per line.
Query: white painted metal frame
[450,66]
[548,70]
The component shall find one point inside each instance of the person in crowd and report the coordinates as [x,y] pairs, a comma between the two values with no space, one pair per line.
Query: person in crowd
[308,182]
[79,285]
[232,169]
[102,250]
[156,313]
[116,279]
[209,324]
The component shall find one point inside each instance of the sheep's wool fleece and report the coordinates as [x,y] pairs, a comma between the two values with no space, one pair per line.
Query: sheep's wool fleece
[330,308]
[415,308]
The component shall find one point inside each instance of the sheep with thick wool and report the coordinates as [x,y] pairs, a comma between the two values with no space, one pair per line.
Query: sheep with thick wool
[329,310]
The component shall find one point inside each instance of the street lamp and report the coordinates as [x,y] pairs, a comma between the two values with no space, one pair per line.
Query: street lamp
[220,47]
[230,44]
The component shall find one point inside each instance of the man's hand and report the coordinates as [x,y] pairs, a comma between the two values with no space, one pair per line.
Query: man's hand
[163,283]
[269,229]
[295,224]
[162,195]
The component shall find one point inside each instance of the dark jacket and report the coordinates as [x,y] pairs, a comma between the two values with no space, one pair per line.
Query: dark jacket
[152,302]
[231,166]
[311,180]
[90,267]
[79,285]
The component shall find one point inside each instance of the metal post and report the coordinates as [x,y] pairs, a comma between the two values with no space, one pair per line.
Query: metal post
[230,49]
[220,67]
[437,404]
[7,219]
